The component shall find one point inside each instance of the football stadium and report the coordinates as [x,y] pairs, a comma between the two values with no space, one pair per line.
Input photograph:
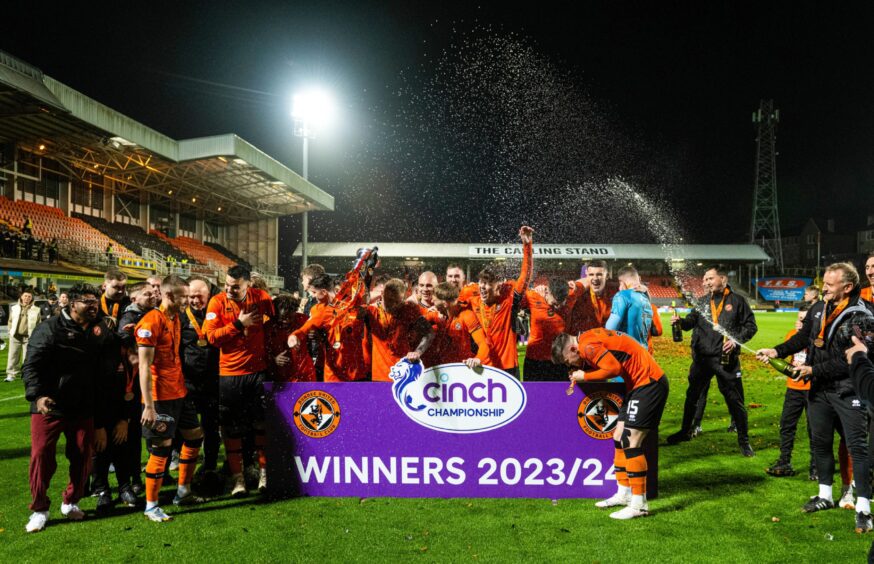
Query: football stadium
[207,353]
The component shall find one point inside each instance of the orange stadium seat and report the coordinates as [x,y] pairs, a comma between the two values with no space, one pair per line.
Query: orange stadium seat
[51,223]
[692,284]
[661,287]
[200,252]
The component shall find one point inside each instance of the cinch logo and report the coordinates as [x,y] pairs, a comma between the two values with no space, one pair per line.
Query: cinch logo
[316,414]
[454,399]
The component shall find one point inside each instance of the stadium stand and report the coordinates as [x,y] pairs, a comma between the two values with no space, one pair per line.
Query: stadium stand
[74,235]
[661,287]
[227,252]
[692,284]
[200,252]
[132,236]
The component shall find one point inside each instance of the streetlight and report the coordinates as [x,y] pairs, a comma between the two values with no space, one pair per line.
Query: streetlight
[312,110]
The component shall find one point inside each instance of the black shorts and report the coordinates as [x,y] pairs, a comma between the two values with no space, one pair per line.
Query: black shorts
[242,401]
[184,417]
[644,406]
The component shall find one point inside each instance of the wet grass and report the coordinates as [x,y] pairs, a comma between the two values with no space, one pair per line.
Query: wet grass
[715,506]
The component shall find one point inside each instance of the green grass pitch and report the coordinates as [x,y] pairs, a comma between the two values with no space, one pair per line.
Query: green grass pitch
[715,506]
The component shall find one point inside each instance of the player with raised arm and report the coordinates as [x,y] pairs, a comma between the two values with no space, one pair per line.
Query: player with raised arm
[596,292]
[496,304]
[344,330]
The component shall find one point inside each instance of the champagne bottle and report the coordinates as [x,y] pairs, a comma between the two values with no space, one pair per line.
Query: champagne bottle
[676,330]
[781,366]
[725,360]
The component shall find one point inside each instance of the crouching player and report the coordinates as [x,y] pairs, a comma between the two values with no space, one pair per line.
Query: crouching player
[600,354]
[165,408]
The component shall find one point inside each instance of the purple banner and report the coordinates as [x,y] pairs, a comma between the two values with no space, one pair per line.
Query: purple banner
[445,438]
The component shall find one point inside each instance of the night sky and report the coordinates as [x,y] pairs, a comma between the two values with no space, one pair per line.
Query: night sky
[460,121]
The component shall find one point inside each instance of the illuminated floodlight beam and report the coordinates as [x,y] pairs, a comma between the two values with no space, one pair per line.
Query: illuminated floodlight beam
[312,110]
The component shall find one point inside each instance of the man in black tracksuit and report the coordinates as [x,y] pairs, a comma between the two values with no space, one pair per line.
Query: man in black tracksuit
[714,354]
[200,365]
[862,374]
[832,397]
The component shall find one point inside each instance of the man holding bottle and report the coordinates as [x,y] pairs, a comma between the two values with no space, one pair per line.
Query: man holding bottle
[716,332]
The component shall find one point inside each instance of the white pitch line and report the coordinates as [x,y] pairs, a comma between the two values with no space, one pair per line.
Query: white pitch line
[12,398]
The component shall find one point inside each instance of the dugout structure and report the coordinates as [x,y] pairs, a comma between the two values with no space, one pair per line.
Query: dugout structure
[200,204]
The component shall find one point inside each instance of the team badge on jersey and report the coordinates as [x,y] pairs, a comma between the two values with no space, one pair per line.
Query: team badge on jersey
[598,414]
[316,414]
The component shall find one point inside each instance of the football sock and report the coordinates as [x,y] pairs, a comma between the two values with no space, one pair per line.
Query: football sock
[619,467]
[863,504]
[635,465]
[234,453]
[260,447]
[187,460]
[825,491]
[154,476]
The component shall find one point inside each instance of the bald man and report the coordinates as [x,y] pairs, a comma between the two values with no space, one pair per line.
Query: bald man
[200,368]
[427,283]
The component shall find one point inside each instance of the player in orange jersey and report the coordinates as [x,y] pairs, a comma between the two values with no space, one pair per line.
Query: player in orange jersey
[550,302]
[398,330]
[235,324]
[456,328]
[496,306]
[426,284]
[287,364]
[599,355]
[344,336]
[165,408]
[596,292]
[455,275]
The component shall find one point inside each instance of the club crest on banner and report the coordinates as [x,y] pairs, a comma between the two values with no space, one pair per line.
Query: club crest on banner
[316,414]
[455,399]
[598,414]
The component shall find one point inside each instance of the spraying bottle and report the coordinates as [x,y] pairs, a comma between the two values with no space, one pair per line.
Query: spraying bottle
[676,330]
[783,367]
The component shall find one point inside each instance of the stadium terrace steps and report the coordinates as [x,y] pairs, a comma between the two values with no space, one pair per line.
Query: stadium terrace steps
[227,252]
[130,235]
[692,284]
[661,287]
[200,252]
[49,223]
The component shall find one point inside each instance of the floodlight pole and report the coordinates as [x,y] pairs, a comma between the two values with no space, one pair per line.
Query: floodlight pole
[305,217]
